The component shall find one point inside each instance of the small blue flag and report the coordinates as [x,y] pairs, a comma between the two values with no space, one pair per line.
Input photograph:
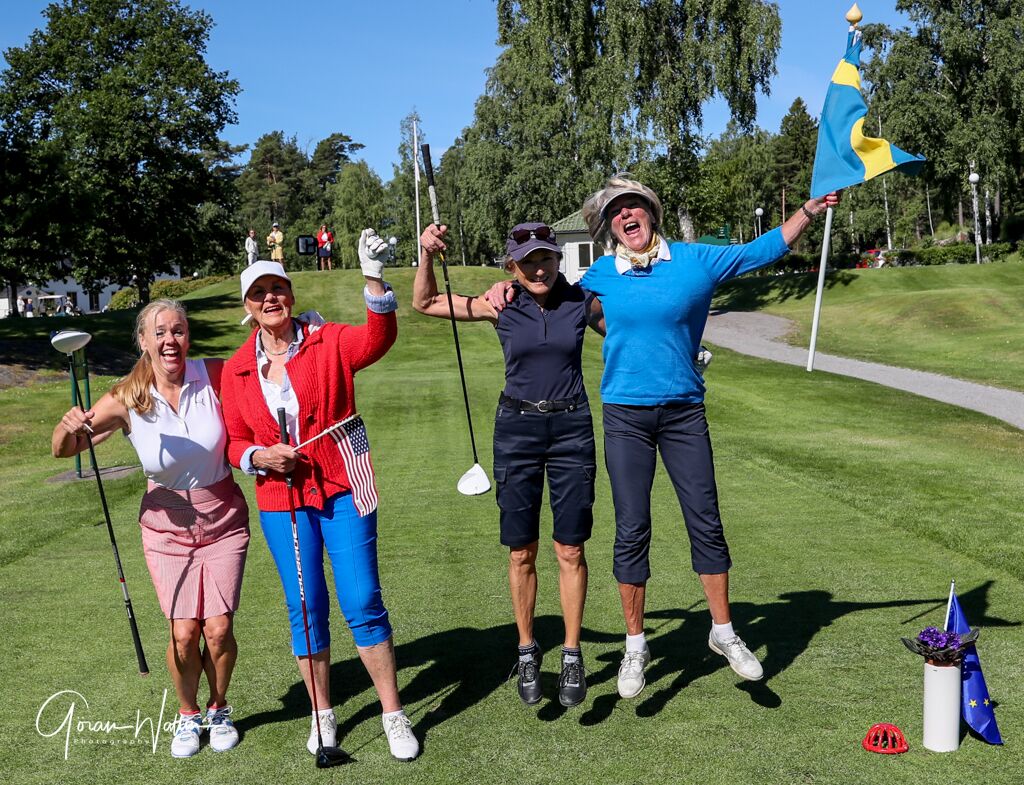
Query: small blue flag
[845,156]
[975,703]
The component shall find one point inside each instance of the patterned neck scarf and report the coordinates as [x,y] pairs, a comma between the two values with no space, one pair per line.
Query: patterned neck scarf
[639,259]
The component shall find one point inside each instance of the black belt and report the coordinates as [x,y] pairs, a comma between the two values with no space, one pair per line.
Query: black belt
[543,407]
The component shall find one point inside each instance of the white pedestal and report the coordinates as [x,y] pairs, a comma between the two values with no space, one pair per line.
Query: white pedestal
[941,708]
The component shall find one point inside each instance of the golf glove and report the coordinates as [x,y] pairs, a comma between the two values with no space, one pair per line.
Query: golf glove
[703,359]
[373,250]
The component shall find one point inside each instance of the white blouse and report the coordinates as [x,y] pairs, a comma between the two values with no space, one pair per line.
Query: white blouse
[183,450]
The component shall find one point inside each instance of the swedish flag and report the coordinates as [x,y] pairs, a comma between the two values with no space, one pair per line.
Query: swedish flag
[845,156]
[975,702]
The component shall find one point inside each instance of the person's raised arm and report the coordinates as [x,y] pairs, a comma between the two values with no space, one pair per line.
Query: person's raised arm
[802,218]
[103,419]
[425,297]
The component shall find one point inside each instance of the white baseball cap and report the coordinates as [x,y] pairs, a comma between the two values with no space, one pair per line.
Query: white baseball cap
[258,270]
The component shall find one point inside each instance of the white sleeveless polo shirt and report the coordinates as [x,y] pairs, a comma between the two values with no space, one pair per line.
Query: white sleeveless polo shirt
[183,450]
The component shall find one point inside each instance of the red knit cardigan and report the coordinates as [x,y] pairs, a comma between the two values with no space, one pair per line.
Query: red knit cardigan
[321,374]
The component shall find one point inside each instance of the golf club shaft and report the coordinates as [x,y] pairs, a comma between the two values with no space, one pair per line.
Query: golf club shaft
[136,639]
[429,169]
[282,422]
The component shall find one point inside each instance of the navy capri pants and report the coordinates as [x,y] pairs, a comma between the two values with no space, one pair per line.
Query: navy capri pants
[633,435]
[526,444]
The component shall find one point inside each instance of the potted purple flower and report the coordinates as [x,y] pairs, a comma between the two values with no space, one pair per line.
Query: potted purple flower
[943,652]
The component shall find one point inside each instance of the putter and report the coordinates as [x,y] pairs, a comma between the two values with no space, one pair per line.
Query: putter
[475,481]
[326,757]
[68,342]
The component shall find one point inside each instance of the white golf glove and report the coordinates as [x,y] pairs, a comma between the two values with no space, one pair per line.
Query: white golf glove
[373,250]
[703,359]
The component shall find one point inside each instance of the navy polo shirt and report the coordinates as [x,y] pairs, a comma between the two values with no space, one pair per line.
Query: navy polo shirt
[543,346]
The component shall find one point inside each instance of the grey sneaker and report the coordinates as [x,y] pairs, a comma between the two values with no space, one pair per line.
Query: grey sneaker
[740,659]
[631,672]
[223,734]
[185,743]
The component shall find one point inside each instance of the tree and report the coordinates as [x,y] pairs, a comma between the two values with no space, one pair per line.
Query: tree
[400,219]
[119,93]
[358,200]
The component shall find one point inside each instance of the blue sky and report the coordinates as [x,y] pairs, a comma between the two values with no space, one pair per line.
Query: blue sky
[313,67]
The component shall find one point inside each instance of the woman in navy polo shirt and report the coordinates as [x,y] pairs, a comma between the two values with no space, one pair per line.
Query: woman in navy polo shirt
[542,424]
[655,298]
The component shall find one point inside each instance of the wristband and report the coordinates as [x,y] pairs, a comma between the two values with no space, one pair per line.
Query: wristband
[807,212]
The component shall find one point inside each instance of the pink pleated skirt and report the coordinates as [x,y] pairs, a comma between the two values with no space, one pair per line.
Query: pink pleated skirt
[195,544]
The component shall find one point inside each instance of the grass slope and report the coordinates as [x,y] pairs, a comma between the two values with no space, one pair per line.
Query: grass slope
[961,320]
[846,522]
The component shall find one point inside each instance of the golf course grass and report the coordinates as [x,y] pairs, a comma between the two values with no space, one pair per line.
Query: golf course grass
[965,321]
[848,507]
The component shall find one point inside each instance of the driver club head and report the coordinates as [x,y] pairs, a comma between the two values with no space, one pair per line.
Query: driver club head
[329,757]
[474,482]
[69,341]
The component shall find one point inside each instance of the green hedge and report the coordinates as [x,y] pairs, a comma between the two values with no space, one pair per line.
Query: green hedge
[172,289]
[124,299]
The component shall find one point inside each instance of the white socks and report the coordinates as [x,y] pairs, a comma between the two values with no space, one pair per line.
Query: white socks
[636,643]
[723,631]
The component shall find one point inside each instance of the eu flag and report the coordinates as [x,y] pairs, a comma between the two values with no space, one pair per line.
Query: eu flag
[845,156]
[975,704]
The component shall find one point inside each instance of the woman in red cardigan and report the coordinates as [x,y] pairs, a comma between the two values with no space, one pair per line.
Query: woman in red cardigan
[308,371]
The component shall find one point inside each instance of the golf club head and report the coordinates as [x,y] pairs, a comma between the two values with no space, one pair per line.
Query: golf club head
[474,482]
[69,341]
[329,757]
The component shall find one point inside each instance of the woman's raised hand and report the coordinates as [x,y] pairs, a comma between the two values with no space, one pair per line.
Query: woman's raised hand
[373,250]
[432,240]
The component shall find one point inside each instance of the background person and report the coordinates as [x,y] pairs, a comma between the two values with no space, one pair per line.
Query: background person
[324,246]
[275,242]
[542,424]
[655,297]
[194,519]
[252,249]
[309,371]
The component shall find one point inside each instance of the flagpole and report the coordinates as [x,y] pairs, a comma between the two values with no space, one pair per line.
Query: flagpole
[821,287]
[416,181]
[949,605]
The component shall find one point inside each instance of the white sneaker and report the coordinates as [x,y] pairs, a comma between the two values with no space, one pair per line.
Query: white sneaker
[328,731]
[401,739]
[631,672]
[185,743]
[740,659]
[223,734]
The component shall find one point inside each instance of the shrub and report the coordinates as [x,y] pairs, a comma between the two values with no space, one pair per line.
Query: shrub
[124,299]
[959,253]
[996,251]
[173,289]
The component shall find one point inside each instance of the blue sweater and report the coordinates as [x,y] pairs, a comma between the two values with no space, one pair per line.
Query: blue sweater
[655,317]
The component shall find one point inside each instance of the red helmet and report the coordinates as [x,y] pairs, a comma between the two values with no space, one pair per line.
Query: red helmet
[885,738]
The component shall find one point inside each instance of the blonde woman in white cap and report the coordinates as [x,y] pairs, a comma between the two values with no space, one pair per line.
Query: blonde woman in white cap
[308,371]
[656,297]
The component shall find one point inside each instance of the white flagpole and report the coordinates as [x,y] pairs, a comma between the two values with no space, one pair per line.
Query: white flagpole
[821,288]
[416,180]
[949,605]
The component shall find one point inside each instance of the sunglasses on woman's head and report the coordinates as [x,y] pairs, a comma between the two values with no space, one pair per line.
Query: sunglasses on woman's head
[545,233]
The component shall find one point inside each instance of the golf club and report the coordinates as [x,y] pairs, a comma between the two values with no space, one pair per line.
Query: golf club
[326,757]
[475,481]
[68,342]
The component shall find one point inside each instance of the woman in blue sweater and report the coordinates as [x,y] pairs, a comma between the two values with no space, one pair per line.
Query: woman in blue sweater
[542,426]
[656,297]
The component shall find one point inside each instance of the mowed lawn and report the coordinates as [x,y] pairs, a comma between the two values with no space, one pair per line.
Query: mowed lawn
[848,507]
[965,321]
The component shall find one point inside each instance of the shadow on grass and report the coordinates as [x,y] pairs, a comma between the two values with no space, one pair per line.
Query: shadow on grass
[463,666]
[751,293]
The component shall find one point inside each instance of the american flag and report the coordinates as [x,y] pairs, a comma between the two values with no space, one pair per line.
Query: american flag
[354,447]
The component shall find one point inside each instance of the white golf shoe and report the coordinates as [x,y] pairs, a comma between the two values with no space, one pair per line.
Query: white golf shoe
[631,672]
[740,658]
[401,739]
[223,733]
[185,743]
[328,731]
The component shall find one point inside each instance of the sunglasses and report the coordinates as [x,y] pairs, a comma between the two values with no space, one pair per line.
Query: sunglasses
[544,233]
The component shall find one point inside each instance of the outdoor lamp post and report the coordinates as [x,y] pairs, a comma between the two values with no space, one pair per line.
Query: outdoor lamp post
[974,178]
[392,242]
[758,213]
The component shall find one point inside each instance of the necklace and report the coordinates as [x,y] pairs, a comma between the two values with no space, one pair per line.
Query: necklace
[284,350]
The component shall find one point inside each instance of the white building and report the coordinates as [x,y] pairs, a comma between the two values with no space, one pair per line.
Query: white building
[578,251]
[46,298]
